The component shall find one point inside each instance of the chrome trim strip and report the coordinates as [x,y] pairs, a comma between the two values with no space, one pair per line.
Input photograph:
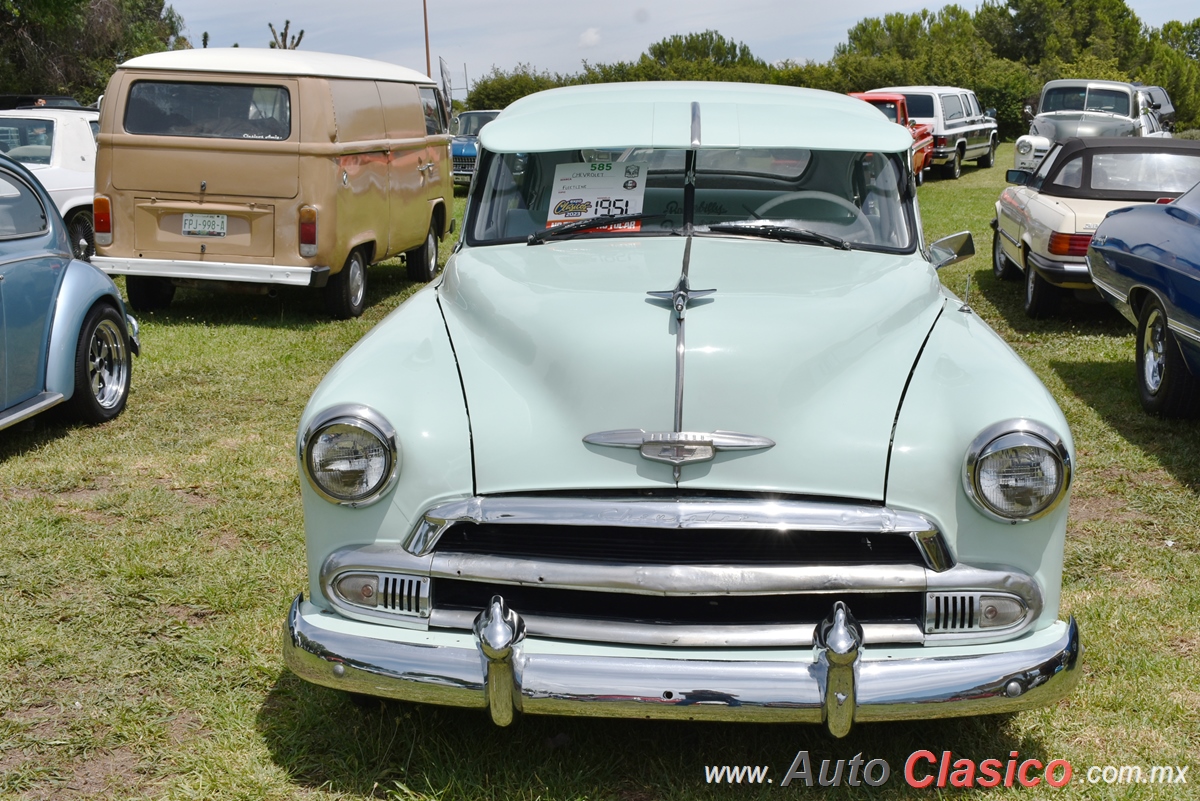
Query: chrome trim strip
[1184,330]
[678,447]
[1110,289]
[925,687]
[208,270]
[678,580]
[38,403]
[695,124]
[737,513]
[783,635]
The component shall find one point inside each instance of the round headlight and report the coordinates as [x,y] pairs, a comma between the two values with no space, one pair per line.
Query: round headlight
[1024,147]
[350,455]
[1017,471]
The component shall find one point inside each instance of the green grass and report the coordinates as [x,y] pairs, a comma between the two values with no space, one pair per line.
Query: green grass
[146,567]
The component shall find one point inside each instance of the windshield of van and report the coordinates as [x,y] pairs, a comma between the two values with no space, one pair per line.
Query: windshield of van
[852,197]
[211,110]
[28,141]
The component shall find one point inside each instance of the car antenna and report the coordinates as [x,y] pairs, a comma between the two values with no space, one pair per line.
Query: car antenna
[965,308]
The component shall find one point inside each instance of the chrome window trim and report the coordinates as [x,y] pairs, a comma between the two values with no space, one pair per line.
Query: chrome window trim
[1110,289]
[677,513]
[363,417]
[1047,435]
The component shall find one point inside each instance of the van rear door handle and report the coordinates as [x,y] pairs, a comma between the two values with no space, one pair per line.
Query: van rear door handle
[424,167]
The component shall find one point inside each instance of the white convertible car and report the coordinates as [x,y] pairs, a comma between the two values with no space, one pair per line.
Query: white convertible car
[1045,221]
[688,429]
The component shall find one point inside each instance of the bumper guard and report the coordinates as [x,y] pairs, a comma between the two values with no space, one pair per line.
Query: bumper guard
[493,670]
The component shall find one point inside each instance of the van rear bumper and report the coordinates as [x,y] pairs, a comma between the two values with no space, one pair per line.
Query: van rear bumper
[215,271]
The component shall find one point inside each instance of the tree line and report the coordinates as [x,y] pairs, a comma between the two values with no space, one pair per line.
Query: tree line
[1004,51]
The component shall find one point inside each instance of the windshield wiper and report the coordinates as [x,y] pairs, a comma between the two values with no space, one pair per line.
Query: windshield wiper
[574,226]
[784,233]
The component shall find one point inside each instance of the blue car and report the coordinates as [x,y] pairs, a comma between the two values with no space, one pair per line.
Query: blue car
[465,147]
[1145,260]
[64,335]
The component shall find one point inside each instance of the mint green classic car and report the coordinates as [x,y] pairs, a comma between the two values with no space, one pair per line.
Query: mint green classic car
[688,429]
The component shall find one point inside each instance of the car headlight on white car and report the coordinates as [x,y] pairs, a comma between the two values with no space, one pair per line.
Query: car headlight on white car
[1024,146]
[1017,470]
[350,455]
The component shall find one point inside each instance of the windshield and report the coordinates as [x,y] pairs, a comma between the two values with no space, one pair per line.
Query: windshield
[29,141]
[470,123]
[855,197]
[1080,98]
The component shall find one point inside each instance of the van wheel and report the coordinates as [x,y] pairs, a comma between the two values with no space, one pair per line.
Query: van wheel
[346,292]
[82,234]
[989,160]
[147,294]
[422,261]
[103,362]
[953,167]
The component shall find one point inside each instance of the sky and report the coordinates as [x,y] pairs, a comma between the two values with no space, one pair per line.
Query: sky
[552,35]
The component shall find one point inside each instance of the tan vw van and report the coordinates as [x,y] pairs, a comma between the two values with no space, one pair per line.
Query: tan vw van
[243,169]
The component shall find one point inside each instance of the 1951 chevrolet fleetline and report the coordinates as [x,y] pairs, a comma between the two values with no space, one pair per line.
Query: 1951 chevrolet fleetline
[688,428]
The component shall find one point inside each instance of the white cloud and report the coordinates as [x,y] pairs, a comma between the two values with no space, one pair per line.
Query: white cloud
[589,38]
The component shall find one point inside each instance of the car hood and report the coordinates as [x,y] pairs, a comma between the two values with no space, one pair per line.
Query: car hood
[808,346]
[464,145]
[1060,126]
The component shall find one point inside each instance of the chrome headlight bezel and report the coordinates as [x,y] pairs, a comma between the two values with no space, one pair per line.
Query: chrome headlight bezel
[1024,147]
[1004,434]
[368,420]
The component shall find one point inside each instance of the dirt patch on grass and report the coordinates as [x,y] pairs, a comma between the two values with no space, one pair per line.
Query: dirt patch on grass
[193,616]
[102,774]
[1108,508]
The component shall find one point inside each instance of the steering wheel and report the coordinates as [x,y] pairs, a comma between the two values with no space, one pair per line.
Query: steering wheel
[860,219]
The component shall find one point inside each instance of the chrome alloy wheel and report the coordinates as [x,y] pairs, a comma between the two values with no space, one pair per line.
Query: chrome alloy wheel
[1154,360]
[431,254]
[108,364]
[357,279]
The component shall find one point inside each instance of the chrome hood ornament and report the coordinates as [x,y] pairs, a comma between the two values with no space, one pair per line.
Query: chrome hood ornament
[679,447]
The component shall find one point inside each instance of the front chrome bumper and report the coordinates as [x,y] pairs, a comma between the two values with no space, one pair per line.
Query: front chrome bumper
[836,682]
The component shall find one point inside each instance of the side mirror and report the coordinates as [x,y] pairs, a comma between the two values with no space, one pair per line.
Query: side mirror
[990,112]
[1027,112]
[1018,177]
[952,249]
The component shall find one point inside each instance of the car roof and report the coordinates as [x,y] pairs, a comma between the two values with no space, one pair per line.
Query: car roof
[1099,84]
[912,89]
[687,114]
[1112,144]
[49,113]
[264,61]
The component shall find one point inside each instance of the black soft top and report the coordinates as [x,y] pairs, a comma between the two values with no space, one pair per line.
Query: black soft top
[1086,148]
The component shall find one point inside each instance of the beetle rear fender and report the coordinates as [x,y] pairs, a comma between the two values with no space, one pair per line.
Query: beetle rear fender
[82,287]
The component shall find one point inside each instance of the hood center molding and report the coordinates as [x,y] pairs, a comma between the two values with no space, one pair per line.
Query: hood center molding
[679,447]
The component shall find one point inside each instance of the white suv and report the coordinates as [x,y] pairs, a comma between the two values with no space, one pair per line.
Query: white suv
[961,131]
[59,146]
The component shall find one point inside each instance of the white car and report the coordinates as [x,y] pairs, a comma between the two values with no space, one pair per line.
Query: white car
[1044,224]
[59,146]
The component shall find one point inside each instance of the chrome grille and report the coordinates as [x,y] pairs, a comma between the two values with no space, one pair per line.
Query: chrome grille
[402,594]
[957,611]
[464,164]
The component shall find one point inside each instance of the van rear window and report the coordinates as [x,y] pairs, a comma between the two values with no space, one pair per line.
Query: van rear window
[210,110]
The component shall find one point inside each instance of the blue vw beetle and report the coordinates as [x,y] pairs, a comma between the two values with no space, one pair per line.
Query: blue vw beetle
[64,333]
[1145,261]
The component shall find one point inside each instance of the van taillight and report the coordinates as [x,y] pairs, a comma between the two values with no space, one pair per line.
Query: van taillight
[1069,244]
[102,220]
[308,231]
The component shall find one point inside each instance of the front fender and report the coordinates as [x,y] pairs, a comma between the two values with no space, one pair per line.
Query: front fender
[968,379]
[82,286]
